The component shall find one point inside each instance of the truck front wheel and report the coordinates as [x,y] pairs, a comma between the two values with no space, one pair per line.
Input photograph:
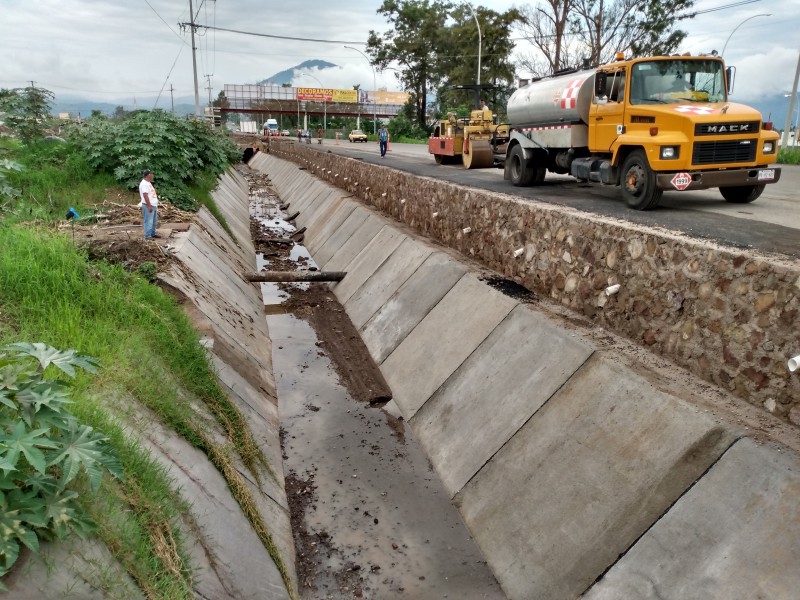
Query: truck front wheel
[741,194]
[639,188]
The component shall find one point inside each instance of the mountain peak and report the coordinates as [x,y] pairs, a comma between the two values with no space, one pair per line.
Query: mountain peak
[287,75]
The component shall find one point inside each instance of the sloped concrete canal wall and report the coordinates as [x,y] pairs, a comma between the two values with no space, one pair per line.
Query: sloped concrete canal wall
[229,558]
[575,474]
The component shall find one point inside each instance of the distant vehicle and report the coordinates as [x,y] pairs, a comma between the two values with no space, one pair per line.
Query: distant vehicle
[270,127]
[357,136]
[285,132]
[248,127]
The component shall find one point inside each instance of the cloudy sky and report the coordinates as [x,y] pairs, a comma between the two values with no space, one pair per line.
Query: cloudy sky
[116,50]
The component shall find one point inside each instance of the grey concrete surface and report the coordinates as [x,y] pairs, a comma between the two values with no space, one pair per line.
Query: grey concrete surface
[261,414]
[235,550]
[522,363]
[596,466]
[310,200]
[72,569]
[231,311]
[735,534]
[327,221]
[385,281]
[335,241]
[343,254]
[410,304]
[375,250]
[442,341]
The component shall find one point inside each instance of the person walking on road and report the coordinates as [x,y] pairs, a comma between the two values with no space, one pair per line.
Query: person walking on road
[320,133]
[383,139]
[148,200]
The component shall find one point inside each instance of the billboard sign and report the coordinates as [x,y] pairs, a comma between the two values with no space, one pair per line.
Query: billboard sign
[327,95]
[384,97]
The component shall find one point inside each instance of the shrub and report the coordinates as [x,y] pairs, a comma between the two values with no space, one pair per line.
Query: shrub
[179,151]
[43,449]
[147,270]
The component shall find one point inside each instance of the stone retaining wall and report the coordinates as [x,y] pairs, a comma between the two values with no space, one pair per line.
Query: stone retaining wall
[729,316]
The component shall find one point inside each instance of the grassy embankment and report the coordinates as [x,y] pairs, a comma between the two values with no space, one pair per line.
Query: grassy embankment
[50,293]
[789,156]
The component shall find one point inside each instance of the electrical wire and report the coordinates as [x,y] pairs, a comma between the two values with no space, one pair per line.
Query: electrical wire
[163,21]
[278,37]
[716,8]
[168,74]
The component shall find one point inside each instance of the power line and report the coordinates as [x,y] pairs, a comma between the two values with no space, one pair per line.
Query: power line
[167,79]
[716,8]
[277,37]
[165,23]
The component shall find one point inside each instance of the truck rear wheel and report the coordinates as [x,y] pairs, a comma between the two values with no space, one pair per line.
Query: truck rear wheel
[520,174]
[639,187]
[741,194]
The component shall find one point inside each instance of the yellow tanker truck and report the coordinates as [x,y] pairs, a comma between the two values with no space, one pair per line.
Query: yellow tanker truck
[645,124]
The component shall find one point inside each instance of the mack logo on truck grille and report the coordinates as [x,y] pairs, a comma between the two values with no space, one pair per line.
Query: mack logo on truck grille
[727,128]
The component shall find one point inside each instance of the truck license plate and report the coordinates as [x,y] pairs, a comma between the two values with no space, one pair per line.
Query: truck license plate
[766,174]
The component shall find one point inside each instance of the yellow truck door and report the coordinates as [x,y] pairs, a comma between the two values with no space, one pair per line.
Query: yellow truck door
[606,115]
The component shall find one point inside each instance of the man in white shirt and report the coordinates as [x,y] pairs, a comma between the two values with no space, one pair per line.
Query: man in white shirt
[149,204]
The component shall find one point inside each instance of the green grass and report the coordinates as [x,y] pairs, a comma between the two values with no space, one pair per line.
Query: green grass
[56,177]
[53,180]
[50,293]
[789,156]
[201,191]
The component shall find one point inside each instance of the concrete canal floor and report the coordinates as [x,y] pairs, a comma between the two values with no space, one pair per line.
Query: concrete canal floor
[370,517]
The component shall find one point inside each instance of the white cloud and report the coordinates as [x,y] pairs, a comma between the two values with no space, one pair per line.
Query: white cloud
[115,50]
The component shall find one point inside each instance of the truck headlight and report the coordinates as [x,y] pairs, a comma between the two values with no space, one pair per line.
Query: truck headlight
[769,147]
[669,152]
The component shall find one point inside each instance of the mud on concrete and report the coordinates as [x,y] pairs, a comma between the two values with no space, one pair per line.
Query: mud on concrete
[370,517]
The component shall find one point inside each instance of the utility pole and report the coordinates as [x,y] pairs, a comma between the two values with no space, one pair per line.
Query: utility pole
[194,63]
[208,77]
[171,98]
[785,136]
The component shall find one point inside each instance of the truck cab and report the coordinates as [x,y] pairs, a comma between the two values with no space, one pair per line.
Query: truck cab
[271,127]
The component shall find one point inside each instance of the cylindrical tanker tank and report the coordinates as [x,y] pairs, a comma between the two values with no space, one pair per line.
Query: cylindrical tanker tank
[552,101]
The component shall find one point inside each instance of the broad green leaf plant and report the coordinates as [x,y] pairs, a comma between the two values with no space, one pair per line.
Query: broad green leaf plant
[43,450]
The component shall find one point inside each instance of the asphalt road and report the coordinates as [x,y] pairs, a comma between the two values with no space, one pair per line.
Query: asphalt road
[771,224]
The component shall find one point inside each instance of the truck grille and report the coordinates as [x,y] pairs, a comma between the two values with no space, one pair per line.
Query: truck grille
[727,128]
[734,151]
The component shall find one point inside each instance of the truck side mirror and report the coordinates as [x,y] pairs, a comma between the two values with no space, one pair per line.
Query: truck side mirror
[730,75]
[600,81]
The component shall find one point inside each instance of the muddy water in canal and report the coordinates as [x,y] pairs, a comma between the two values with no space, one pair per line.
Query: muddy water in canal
[369,515]
[374,520]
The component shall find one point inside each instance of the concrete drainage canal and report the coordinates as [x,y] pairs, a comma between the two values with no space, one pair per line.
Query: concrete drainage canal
[370,517]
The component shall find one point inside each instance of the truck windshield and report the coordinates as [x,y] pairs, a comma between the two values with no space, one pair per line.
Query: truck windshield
[677,81]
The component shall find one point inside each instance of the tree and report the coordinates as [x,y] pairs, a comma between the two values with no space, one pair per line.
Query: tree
[222,101]
[120,114]
[459,64]
[27,111]
[415,40]
[567,32]
[546,27]
[638,27]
